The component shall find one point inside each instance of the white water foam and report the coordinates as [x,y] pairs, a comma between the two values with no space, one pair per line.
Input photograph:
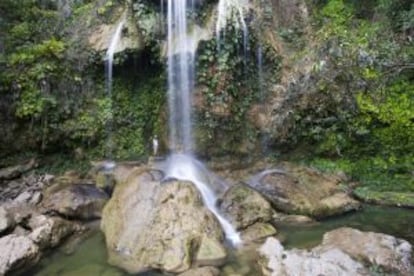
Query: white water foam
[185,167]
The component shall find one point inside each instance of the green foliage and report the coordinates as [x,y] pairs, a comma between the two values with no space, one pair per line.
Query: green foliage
[229,85]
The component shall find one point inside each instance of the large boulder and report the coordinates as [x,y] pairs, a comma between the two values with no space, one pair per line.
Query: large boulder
[392,255]
[280,262]
[13,172]
[164,226]
[300,190]
[17,253]
[344,251]
[244,206]
[78,201]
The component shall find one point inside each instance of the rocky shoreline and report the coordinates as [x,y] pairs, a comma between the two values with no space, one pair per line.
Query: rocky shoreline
[152,224]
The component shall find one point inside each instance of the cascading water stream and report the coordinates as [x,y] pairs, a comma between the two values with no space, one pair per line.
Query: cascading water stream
[232,10]
[109,60]
[181,57]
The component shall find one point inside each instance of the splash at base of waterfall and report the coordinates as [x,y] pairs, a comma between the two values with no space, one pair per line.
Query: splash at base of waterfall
[185,167]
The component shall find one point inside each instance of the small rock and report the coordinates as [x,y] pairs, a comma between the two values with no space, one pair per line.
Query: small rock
[210,253]
[17,252]
[48,232]
[36,198]
[6,222]
[257,232]
[23,197]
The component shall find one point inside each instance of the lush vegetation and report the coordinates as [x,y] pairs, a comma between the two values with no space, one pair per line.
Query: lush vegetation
[354,111]
[365,77]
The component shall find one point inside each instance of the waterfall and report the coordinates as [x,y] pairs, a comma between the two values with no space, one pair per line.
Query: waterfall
[186,168]
[109,59]
[181,56]
[180,76]
[233,11]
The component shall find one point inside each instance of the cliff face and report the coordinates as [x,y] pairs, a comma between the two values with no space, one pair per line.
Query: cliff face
[281,73]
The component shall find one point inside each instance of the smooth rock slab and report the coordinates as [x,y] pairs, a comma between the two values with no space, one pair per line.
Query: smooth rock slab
[17,252]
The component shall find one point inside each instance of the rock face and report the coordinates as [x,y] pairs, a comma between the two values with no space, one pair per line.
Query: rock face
[300,190]
[17,252]
[153,225]
[344,251]
[81,201]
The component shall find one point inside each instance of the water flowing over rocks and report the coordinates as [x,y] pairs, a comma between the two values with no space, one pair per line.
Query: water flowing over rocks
[344,251]
[300,190]
[149,224]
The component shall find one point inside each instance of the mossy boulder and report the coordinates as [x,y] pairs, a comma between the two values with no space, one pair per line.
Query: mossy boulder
[301,190]
[244,206]
[385,198]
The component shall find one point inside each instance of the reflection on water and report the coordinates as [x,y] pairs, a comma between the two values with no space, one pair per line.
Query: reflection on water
[90,258]
[393,221]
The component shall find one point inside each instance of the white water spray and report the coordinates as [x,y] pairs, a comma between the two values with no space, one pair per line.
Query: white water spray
[232,11]
[184,167]
[109,60]
[181,55]
[180,76]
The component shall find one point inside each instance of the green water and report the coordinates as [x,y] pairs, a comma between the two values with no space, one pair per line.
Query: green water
[90,257]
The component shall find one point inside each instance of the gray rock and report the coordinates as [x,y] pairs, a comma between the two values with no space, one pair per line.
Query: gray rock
[391,254]
[49,232]
[16,171]
[6,222]
[344,251]
[280,262]
[23,197]
[80,201]
[17,253]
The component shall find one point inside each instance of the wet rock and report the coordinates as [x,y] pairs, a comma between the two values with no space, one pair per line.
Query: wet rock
[80,201]
[391,254]
[17,253]
[344,251]
[6,221]
[257,232]
[280,262]
[243,206]
[293,219]
[300,190]
[202,271]
[149,225]
[210,252]
[49,232]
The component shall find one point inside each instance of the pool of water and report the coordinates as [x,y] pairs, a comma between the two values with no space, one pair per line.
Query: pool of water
[90,257]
